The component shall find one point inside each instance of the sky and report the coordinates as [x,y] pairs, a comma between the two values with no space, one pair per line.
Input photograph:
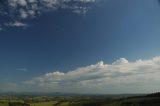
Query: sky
[80,46]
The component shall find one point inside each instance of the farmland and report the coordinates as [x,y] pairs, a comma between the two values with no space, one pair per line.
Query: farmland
[81,100]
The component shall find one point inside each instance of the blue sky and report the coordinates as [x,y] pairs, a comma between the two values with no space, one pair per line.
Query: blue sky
[41,42]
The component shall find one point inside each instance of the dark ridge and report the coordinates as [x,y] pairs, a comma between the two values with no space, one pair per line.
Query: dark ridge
[157,94]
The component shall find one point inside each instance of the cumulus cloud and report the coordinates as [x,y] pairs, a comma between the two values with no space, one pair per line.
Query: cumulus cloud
[21,10]
[121,76]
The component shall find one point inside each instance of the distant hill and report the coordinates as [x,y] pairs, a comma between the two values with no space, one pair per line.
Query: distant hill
[157,94]
[146,100]
[65,94]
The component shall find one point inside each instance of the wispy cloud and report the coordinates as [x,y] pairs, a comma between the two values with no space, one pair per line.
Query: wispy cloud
[22,69]
[16,24]
[1,29]
[5,87]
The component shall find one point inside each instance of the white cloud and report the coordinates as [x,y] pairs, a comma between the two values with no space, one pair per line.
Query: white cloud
[43,5]
[16,24]
[121,76]
[22,10]
[22,69]
[15,3]
[24,14]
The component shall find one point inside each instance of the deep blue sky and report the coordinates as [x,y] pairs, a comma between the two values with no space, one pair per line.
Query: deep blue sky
[62,40]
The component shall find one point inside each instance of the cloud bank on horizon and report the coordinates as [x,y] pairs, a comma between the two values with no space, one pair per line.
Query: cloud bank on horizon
[122,76]
[16,12]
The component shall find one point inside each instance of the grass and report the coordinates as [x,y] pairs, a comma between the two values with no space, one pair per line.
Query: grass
[64,104]
[43,103]
[4,104]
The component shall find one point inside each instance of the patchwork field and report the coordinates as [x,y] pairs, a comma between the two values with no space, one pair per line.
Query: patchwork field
[103,100]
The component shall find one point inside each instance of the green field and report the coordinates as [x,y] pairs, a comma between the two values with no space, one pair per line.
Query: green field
[43,103]
[101,100]
[3,104]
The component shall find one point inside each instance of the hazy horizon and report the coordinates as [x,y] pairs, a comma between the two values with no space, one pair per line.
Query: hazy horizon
[80,46]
